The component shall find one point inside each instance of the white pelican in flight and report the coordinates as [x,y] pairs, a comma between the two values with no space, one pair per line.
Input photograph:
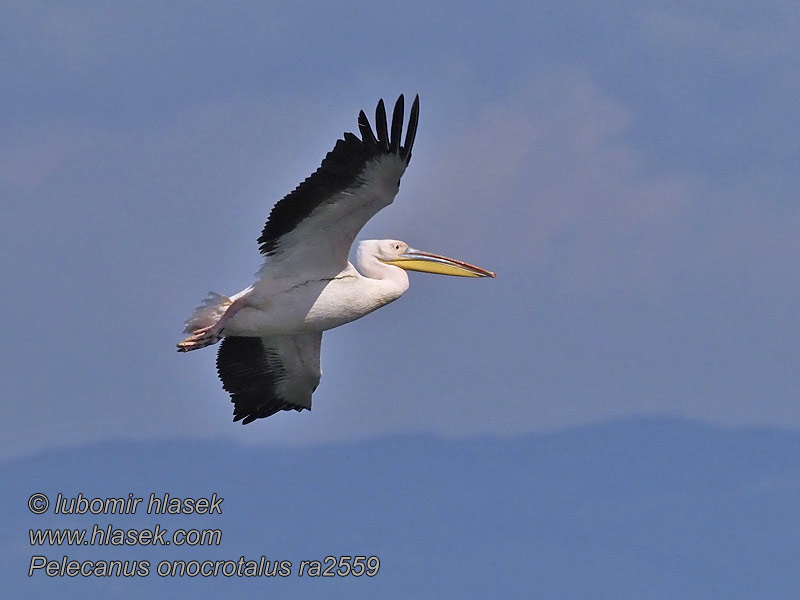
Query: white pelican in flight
[269,358]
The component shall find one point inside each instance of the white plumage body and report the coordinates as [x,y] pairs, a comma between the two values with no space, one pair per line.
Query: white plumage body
[283,306]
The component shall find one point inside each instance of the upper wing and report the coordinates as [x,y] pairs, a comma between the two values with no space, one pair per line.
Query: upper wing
[312,228]
[266,375]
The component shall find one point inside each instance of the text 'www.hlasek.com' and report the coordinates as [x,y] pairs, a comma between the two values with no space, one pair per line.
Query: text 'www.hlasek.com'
[103,534]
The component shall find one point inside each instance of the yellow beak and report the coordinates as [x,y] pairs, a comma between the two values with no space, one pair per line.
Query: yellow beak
[417,260]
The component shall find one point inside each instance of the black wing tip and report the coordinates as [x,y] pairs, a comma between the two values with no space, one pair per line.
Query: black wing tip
[248,409]
[248,416]
[381,126]
[397,126]
[367,135]
[389,141]
[411,133]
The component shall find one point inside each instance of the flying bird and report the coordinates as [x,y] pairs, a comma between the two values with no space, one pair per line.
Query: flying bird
[269,358]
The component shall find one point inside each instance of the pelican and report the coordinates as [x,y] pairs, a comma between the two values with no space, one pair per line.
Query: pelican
[271,332]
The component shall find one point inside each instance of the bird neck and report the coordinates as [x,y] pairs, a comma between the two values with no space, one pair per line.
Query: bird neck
[372,268]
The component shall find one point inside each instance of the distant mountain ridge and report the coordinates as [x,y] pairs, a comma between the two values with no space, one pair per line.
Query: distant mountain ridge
[641,508]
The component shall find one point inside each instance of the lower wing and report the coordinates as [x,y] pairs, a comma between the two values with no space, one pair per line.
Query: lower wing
[269,374]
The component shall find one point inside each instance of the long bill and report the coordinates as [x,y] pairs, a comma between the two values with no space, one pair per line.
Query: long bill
[426,262]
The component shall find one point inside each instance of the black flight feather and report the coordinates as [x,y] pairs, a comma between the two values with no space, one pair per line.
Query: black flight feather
[413,119]
[366,132]
[380,125]
[397,126]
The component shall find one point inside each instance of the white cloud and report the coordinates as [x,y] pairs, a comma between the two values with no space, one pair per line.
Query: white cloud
[546,178]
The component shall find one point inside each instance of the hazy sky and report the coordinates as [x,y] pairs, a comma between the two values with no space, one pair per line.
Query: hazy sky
[629,170]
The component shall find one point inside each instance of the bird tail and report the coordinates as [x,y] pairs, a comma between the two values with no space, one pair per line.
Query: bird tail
[208,313]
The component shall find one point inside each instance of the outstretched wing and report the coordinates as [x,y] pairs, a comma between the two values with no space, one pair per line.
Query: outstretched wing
[266,375]
[311,229]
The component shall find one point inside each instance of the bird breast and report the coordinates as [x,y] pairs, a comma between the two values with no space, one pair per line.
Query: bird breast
[316,305]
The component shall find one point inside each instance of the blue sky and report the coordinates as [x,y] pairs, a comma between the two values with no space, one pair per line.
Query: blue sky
[629,171]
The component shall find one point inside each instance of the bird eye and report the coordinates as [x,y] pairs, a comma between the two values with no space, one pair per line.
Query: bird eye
[397,246]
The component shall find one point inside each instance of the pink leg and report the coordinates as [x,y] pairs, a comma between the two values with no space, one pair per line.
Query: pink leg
[206,336]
